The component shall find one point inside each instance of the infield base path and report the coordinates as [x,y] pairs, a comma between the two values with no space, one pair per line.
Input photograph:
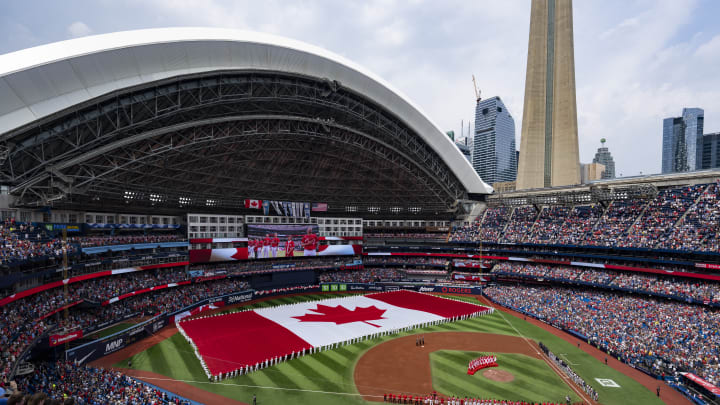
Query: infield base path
[398,366]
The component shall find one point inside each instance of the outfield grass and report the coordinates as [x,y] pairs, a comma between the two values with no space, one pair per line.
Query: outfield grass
[534,379]
[113,329]
[314,378]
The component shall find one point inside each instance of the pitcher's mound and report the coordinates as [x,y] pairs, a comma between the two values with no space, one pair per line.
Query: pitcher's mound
[498,375]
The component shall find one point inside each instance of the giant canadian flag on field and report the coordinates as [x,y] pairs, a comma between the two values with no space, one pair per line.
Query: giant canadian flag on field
[242,340]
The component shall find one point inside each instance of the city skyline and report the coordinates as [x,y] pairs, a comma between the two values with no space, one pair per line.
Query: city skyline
[429,51]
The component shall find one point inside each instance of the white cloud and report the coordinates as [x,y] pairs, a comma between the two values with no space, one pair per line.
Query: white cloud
[627,23]
[78,29]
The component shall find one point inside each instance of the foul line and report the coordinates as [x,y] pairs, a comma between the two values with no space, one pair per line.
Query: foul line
[255,386]
[568,360]
[547,360]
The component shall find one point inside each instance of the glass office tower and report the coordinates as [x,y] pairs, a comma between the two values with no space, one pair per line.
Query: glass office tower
[682,141]
[494,157]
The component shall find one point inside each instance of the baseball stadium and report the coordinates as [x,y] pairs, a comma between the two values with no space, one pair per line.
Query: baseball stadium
[212,216]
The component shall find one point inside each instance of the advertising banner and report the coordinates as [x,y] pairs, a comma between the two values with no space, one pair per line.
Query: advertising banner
[701,382]
[68,337]
[467,277]
[428,288]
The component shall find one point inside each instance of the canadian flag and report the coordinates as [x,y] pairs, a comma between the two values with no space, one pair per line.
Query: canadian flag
[227,342]
[257,204]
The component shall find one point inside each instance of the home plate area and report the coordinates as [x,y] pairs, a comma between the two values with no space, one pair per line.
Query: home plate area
[241,342]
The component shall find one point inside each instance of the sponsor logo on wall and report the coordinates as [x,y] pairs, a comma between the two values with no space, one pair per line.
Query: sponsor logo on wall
[135,331]
[114,346]
[457,290]
[239,298]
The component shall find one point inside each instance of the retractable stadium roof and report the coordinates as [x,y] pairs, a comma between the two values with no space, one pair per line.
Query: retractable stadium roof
[200,116]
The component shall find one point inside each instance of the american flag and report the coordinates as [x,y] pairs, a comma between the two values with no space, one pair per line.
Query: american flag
[319,207]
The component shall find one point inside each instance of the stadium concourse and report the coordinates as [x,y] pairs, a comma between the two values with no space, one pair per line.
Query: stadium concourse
[120,224]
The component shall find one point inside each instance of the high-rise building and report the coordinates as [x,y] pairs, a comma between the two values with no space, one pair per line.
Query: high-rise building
[549,154]
[604,157]
[682,141]
[462,145]
[591,171]
[493,154]
[711,151]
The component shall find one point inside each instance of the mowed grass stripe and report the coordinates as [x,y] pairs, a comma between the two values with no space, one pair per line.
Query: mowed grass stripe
[273,378]
[338,368]
[305,369]
[330,362]
[534,381]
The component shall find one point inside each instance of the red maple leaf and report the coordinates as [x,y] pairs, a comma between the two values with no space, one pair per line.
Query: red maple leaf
[341,315]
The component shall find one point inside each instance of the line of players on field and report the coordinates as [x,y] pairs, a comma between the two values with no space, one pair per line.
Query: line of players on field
[268,246]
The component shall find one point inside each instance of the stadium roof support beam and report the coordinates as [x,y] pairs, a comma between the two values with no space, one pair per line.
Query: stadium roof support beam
[180,77]
[92,149]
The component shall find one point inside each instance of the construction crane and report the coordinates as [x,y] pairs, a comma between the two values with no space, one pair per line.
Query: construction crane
[477,92]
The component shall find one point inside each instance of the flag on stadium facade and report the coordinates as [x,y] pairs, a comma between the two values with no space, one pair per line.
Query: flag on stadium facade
[276,205]
[319,207]
[227,342]
[286,208]
[256,204]
[306,208]
[266,207]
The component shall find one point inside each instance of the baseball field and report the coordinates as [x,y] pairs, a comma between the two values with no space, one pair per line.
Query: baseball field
[364,371]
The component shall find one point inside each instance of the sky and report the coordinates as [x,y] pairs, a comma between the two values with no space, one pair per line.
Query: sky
[636,61]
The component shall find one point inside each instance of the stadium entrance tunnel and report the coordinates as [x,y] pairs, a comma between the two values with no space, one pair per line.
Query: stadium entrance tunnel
[214,137]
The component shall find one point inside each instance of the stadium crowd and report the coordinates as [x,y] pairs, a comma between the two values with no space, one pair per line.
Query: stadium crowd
[21,243]
[492,226]
[124,239]
[679,287]
[82,385]
[661,214]
[407,235]
[253,266]
[659,335]
[368,275]
[549,225]
[521,221]
[698,230]
[19,246]
[405,260]
[578,223]
[21,323]
[678,218]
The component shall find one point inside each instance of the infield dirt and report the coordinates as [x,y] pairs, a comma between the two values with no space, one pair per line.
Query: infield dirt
[399,366]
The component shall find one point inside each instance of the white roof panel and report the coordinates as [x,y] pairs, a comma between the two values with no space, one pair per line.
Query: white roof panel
[40,81]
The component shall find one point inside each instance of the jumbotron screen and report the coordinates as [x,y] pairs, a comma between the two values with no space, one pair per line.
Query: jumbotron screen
[272,241]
